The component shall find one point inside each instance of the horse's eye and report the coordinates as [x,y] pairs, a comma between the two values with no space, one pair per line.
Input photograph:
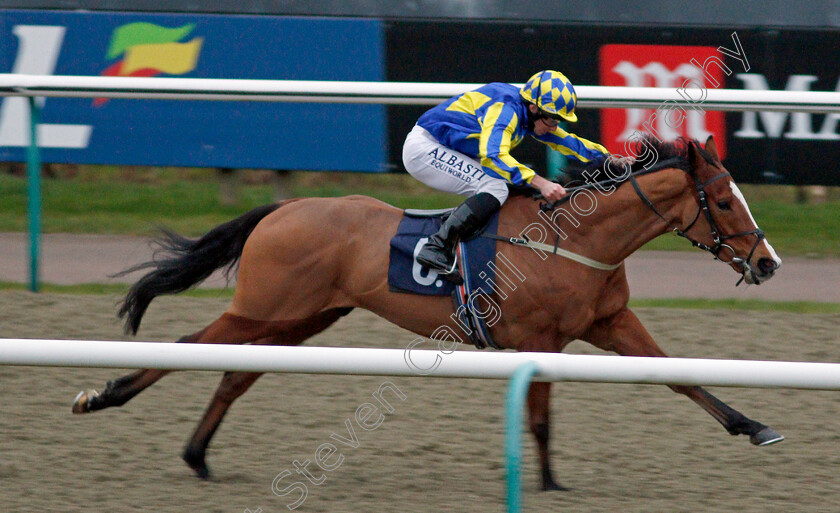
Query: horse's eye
[723,205]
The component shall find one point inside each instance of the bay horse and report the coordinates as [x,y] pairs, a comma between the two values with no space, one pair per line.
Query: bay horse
[304,263]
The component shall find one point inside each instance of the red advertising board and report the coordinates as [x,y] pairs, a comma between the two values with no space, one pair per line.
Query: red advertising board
[689,69]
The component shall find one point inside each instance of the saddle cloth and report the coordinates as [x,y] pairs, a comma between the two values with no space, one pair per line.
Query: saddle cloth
[476,262]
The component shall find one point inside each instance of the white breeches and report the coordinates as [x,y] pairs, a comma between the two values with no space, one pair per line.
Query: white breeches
[447,170]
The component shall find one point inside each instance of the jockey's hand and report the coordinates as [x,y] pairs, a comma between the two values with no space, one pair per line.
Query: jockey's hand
[551,191]
[616,162]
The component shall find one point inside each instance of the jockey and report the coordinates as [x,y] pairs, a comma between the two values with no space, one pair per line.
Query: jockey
[463,146]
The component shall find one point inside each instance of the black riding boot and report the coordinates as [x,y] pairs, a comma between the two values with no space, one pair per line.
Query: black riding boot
[438,254]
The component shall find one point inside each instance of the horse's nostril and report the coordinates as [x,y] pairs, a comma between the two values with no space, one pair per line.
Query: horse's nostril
[767,265]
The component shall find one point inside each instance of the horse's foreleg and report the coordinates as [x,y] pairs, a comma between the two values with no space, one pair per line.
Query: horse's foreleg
[625,335]
[538,419]
[734,422]
[121,390]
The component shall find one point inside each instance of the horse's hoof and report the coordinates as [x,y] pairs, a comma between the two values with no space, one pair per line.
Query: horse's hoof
[766,436]
[197,464]
[82,402]
[549,484]
[202,472]
[554,487]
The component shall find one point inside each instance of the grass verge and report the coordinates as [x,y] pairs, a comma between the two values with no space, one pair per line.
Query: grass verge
[136,201]
[807,307]
[191,205]
[108,289]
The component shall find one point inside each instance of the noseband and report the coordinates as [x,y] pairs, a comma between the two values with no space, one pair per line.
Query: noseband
[718,239]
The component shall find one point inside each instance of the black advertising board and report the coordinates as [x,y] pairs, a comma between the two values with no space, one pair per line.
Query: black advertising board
[648,46]
[766,147]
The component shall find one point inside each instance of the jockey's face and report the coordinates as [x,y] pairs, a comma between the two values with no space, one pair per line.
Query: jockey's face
[542,124]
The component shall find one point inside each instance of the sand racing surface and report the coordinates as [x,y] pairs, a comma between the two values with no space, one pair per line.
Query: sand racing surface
[627,448]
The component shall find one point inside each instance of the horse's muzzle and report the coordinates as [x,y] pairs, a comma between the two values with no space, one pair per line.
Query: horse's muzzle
[763,270]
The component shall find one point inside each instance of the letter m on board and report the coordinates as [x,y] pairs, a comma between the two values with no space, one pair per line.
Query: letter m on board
[661,66]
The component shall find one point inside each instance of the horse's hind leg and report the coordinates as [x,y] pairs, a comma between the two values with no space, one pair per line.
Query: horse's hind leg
[121,390]
[227,329]
[234,384]
[626,335]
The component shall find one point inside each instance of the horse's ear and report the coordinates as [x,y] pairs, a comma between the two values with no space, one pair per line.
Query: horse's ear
[711,148]
[695,158]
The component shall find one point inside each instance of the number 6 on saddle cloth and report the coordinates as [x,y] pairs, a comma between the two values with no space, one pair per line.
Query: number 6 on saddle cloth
[476,257]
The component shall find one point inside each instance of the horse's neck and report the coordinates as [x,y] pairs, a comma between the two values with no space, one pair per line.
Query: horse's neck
[622,222]
[610,226]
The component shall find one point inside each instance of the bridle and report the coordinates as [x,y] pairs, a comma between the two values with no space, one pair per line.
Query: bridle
[717,238]
[719,244]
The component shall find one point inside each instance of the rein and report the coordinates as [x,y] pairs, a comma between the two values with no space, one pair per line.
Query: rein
[719,244]
[547,207]
[554,250]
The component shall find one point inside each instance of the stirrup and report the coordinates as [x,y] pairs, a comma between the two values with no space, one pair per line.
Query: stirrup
[452,274]
[453,269]
[455,278]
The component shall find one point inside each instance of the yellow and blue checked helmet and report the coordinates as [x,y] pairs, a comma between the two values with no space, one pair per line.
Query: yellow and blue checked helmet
[552,93]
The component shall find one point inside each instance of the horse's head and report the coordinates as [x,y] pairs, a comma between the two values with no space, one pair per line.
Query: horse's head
[720,220]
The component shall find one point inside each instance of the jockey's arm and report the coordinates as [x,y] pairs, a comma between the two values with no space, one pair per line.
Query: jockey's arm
[494,152]
[571,145]
[494,145]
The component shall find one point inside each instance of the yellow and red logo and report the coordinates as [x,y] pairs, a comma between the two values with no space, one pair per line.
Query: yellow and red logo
[147,50]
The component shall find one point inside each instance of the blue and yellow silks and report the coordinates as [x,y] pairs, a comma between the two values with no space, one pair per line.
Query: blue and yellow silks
[487,123]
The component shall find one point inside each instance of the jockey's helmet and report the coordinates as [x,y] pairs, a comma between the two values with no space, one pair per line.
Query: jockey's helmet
[552,93]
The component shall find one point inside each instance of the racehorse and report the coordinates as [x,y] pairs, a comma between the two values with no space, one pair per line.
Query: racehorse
[304,263]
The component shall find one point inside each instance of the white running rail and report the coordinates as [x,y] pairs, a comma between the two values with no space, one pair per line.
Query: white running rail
[397,362]
[396,93]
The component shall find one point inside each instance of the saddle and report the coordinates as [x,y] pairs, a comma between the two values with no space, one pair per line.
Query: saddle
[476,259]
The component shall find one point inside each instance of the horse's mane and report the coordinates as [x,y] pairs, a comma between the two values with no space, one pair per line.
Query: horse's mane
[667,154]
[654,155]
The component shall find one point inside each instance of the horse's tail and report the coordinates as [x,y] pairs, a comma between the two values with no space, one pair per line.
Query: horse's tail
[180,263]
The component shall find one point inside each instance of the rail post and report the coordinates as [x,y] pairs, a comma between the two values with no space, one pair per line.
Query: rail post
[33,171]
[514,404]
